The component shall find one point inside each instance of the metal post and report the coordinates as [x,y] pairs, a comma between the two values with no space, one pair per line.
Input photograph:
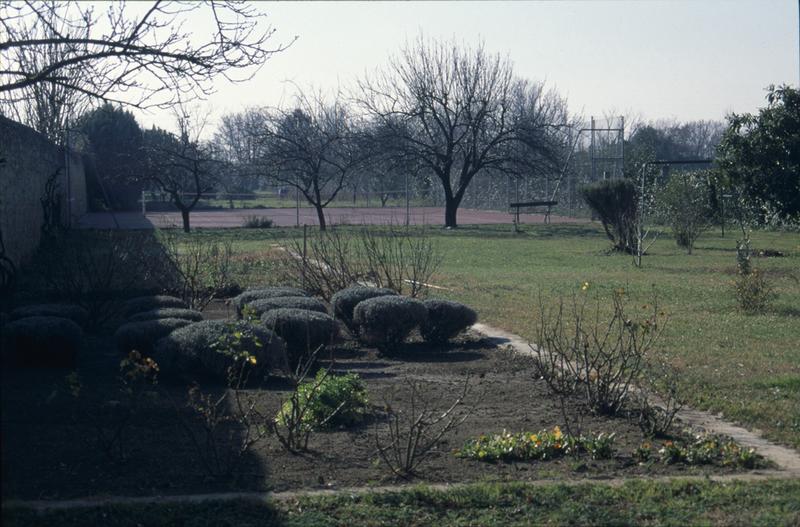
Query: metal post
[591,153]
[144,204]
[69,182]
[297,204]
[408,202]
[305,251]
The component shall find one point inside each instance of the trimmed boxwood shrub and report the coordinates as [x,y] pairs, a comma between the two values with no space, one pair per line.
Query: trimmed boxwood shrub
[196,349]
[259,307]
[346,300]
[41,342]
[148,303]
[264,292]
[142,335]
[75,313]
[446,319]
[168,312]
[386,321]
[304,331]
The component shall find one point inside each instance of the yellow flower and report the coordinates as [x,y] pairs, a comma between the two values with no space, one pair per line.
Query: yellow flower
[585,286]
[252,359]
[534,437]
[557,433]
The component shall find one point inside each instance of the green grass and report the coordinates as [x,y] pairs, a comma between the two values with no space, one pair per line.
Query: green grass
[769,503]
[745,366]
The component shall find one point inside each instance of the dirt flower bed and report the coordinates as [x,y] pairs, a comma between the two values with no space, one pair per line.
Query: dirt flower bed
[54,425]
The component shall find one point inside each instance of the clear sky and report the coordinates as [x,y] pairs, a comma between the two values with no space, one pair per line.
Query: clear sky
[677,59]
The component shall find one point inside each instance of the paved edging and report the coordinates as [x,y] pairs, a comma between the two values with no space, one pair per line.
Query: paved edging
[786,458]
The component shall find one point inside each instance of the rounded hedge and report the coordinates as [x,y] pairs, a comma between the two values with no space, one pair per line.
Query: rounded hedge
[43,342]
[346,300]
[446,319]
[304,331]
[259,307]
[200,348]
[143,335]
[148,303]
[168,312]
[75,313]
[264,292]
[386,321]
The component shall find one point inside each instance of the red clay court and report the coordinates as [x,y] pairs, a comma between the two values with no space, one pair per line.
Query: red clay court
[287,217]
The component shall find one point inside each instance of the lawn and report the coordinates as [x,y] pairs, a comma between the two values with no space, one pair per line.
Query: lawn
[745,366]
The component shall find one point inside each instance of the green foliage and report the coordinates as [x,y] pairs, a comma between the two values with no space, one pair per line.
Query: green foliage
[330,401]
[258,307]
[148,303]
[760,154]
[41,342]
[545,445]
[386,321]
[257,222]
[446,319]
[264,292]
[143,335]
[197,349]
[706,450]
[167,312]
[686,204]
[615,201]
[753,292]
[75,313]
[303,331]
[345,301]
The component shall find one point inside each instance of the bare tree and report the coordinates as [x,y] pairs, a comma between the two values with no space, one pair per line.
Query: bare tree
[181,165]
[460,111]
[57,56]
[310,148]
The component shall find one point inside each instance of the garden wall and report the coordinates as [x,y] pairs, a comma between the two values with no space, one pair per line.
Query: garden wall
[29,159]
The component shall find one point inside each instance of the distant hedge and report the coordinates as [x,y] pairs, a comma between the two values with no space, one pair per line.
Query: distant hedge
[345,301]
[142,335]
[264,292]
[75,313]
[261,306]
[386,321]
[148,303]
[196,349]
[41,342]
[446,319]
[304,331]
[168,312]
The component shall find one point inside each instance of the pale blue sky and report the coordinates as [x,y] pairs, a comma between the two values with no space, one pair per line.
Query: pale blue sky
[661,59]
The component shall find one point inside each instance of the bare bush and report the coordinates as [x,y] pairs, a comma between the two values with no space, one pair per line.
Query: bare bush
[415,435]
[581,352]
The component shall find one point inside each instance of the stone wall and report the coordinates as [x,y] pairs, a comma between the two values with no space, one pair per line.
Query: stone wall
[30,159]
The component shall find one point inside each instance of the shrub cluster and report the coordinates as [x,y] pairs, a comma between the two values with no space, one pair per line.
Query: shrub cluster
[545,445]
[168,312]
[195,349]
[258,307]
[41,341]
[386,321]
[73,312]
[329,401]
[148,303]
[264,292]
[142,335]
[615,201]
[303,331]
[256,222]
[446,319]
[345,301]
[702,450]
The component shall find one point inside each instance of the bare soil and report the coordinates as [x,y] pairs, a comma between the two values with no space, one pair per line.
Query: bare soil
[50,444]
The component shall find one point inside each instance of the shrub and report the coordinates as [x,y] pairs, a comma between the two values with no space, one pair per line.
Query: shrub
[258,307]
[345,301]
[328,401]
[686,203]
[303,331]
[142,335]
[71,311]
[753,292]
[386,321]
[256,222]
[148,303]
[446,319]
[168,312]
[544,445]
[41,341]
[615,203]
[264,292]
[196,349]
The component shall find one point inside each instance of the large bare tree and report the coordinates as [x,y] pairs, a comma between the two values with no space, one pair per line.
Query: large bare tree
[458,112]
[57,57]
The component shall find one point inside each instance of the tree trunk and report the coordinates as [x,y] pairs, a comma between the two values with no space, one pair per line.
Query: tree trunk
[185,218]
[450,210]
[320,216]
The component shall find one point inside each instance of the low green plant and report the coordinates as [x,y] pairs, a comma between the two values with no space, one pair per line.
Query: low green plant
[329,401]
[257,222]
[544,445]
[705,450]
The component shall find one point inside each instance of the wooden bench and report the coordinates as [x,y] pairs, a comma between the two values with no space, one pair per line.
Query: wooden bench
[544,203]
